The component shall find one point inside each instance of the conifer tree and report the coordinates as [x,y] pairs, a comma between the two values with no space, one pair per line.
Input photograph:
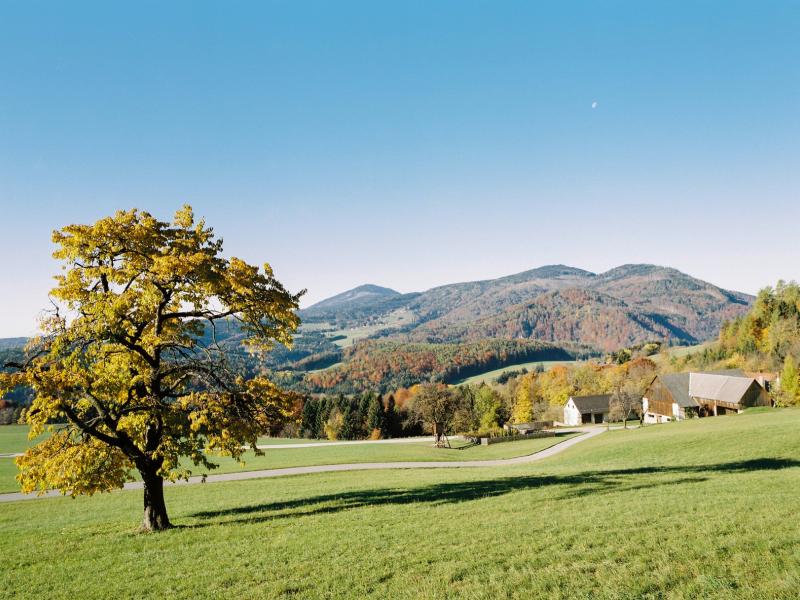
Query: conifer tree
[376,415]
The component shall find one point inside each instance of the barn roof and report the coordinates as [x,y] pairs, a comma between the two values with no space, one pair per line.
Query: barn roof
[679,385]
[722,388]
[587,404]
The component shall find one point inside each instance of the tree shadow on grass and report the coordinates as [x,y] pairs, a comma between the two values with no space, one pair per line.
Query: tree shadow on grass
[576,485]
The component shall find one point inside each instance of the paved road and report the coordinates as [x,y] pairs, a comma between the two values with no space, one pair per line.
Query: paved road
[238,476]
[408,440]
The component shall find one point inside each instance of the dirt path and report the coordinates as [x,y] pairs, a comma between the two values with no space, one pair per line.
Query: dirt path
[239,476]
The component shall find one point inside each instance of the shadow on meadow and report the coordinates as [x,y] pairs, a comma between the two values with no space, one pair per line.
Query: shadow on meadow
[586,483]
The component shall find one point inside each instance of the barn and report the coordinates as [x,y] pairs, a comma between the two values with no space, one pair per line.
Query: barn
[583,410]
[677,396]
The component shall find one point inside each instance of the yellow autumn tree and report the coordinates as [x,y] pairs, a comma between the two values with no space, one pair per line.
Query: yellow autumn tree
[130,358]
[555,385]
[525,399]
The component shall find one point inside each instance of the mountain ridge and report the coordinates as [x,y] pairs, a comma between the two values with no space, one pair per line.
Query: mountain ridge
[657,302]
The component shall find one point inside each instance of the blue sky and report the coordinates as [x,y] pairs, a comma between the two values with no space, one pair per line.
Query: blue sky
[408,145]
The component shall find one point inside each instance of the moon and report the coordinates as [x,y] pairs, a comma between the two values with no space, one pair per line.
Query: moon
[594,104]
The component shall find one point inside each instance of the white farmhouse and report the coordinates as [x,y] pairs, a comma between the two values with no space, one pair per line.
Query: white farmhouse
[582,410]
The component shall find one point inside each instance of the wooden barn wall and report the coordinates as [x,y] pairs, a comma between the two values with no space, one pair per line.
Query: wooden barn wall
[659,399]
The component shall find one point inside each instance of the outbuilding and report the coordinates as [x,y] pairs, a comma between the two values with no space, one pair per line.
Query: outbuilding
[583,410]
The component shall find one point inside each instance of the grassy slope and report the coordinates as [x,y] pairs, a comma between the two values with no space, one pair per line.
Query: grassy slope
[679,352]
[706,508]
[488,376]
[396,318]
[14,438]
[295,457]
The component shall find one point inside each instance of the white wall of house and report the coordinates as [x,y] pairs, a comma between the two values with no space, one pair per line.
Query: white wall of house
[677,412]
[572,416]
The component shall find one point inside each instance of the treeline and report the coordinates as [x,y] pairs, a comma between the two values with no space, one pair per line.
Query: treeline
[10,412]
[408,412]
[478,409]
[537,396]
[365,416]
[766,339]
[386,365]
[13,402]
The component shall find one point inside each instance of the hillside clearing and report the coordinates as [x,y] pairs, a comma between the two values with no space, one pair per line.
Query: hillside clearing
[488,376]
[705,508]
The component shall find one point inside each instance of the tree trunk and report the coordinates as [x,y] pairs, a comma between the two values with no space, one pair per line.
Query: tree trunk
[155,510]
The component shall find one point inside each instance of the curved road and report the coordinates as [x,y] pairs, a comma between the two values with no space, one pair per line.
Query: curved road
[501,462]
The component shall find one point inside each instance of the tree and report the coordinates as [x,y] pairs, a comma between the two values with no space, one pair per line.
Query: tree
[527,392]
[789,393]
[130,357]
[466,417]
[363,411]
[333,426]
[323,412]
[309,421]
[391,419]
[487,407]
[626,399]
[436,405]
[351,423]
[376,416]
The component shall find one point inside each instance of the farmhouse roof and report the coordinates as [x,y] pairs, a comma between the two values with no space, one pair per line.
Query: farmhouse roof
[722,388]
[587,404]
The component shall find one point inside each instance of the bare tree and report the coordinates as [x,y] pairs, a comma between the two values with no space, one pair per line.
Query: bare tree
[625,401]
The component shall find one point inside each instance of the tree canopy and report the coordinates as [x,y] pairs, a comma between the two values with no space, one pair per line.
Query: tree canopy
[129,357]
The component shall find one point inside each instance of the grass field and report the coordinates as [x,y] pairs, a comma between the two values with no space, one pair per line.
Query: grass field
[14,438]
[705,508]
[680,351]
[488,376]
[335,455]
[350,335]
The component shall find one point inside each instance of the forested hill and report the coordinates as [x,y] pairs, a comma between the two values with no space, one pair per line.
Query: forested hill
[626,305]
[11,343]
[375,338]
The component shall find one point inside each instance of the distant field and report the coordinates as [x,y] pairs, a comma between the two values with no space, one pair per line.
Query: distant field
[334,455]
[488,376]
[333,366]
[701,509]
[681,351]
[349,336]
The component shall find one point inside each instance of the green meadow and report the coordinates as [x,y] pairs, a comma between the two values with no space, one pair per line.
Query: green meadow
[14,438]
[488,376]
[275,458]
[700,509]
